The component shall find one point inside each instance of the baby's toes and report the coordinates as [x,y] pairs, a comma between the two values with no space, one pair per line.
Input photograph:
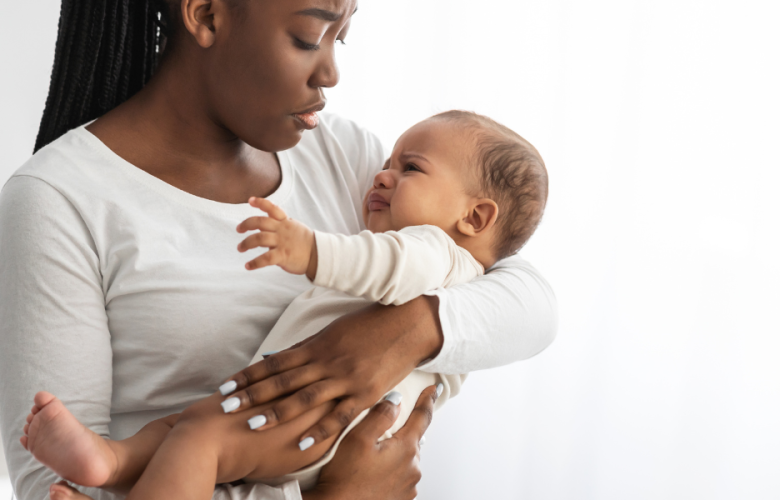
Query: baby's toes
[43,398]
[26,429]
[23,440]
[30,417]
[61,491]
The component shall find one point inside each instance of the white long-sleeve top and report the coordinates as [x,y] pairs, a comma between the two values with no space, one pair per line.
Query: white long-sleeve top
[126,298]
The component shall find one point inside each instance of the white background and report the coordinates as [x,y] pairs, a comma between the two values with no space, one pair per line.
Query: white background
[659,123]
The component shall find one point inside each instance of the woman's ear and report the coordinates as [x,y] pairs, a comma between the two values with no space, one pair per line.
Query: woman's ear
[200,19]
[482,216]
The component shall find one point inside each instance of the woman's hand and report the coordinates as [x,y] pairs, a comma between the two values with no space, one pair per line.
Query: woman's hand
[355,361]
[367,470]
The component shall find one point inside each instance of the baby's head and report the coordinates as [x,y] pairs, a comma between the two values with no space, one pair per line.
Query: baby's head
[480,182]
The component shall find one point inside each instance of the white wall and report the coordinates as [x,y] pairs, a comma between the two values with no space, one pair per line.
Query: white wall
[659,123]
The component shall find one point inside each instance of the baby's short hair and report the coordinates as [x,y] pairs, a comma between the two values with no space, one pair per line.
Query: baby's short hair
[511,172]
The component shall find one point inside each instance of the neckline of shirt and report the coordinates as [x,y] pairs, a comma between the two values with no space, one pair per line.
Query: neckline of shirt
[180,196]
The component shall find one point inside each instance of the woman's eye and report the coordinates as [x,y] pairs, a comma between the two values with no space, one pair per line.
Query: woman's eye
[305,46]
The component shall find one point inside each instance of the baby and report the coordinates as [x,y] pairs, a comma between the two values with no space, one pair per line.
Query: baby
[458,193]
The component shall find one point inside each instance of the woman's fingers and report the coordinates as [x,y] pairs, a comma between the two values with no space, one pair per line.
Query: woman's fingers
[278,363]
[305,399]
[272,388]
[268,207]
[258,224]
[261,239]
[334,422]
[420,419]
[381,417]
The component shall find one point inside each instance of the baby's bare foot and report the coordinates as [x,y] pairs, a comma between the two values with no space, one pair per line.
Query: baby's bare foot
[63,444]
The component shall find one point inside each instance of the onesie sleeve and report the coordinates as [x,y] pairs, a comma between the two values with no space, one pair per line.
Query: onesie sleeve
[53,327]
[507,315]
[392,267]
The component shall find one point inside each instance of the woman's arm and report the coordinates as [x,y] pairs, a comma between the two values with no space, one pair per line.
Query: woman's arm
[54,331]
[53,327]
[508,315]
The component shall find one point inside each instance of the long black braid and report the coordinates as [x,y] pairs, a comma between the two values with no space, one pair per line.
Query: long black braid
[107,50]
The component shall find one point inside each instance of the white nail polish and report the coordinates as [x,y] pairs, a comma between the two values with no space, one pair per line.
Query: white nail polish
[228,387]
[394,397]
[422,440]
[257,422]
[306,443]
[439,389]
[231,404]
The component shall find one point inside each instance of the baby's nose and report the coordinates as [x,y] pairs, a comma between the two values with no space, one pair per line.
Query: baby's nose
[383,179]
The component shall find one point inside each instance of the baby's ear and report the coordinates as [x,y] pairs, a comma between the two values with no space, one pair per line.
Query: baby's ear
[482,216]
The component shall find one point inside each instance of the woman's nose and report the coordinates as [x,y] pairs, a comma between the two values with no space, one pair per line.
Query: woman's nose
[327,71]
[384,180]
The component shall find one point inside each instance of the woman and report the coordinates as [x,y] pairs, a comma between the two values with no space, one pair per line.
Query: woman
[121,289]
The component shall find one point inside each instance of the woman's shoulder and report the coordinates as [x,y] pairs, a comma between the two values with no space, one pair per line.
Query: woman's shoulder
[70,165]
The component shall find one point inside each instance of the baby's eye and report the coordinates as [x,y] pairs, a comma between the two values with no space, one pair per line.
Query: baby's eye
[411,167]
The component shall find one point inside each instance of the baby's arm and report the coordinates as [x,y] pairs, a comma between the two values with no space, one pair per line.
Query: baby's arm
[390,268]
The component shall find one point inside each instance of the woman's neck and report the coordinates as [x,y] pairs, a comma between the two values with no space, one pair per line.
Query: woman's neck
[168,131]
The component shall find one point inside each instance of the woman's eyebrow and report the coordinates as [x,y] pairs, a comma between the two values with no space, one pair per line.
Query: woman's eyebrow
[322,14]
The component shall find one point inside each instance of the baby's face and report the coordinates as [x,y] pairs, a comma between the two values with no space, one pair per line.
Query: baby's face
[423,182]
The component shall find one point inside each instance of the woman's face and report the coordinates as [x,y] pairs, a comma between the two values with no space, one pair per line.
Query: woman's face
[269,64]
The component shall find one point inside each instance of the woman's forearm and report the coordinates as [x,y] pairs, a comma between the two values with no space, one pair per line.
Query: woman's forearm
[507,315]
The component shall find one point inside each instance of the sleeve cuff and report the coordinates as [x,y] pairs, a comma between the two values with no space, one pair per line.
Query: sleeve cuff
[435,364]
[325,260]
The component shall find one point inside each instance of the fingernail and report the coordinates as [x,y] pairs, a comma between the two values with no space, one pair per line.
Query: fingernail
[265,355]
[306,443]
[257,422]
[439,389]
[422,440]
[231,404]
[394,397]
[228,387]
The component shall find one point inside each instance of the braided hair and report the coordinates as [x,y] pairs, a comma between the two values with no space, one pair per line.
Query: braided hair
[107,50]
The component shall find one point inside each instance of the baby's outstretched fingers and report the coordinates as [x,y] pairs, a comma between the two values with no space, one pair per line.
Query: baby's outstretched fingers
[268,207]
[261,239]
[270,258]
[258,223]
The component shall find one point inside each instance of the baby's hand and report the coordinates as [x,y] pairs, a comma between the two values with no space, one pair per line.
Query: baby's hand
[290,244]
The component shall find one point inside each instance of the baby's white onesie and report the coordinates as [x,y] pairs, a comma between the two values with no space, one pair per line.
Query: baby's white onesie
[356,271]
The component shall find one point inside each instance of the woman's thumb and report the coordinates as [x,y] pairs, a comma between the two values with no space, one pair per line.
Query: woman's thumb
[379,419]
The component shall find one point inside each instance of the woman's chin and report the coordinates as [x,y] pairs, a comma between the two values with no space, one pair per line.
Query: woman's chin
[285,138]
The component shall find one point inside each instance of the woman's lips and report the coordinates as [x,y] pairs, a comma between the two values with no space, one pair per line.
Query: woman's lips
[376,202]
[308,120]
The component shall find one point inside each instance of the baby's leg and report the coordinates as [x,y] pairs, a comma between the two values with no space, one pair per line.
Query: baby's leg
[59,441]
[207,447]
